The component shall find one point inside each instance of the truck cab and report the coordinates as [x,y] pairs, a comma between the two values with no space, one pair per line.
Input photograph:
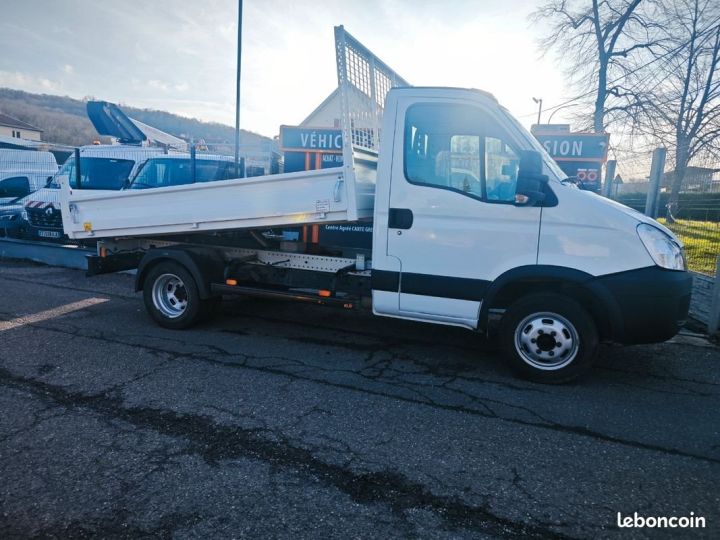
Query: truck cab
[472,216]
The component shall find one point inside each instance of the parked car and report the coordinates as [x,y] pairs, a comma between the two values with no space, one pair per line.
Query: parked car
[23,172]
[12,222]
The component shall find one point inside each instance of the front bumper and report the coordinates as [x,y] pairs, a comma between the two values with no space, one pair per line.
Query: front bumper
[647,305]
[11,222]
[45,222]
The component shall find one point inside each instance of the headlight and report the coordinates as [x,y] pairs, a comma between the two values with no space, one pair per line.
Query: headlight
[664,250]
[24,215]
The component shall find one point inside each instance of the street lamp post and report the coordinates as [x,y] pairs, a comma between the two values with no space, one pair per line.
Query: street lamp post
[237,90]
[561,108]
[539,102]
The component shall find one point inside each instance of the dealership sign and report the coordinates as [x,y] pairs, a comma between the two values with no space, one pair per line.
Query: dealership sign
[575,146]
[303,139]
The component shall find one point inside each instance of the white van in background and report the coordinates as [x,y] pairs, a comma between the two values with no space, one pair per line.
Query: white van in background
[24,171]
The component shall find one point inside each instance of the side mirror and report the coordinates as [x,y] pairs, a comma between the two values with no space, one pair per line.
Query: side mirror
[530,163]
[530,179]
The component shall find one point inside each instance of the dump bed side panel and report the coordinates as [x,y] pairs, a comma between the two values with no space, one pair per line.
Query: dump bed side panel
[321,196]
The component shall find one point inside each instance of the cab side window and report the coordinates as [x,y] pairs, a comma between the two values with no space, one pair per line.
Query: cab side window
[459,148]
[501,170]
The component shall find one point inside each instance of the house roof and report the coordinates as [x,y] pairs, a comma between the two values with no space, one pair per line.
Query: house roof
[327,100]
[696,170]
[11,121]
[13,142]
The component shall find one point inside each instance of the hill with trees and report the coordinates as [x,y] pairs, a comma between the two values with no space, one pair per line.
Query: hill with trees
[64,120]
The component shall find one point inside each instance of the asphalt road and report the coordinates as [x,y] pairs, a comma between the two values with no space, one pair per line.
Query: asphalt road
[290,421]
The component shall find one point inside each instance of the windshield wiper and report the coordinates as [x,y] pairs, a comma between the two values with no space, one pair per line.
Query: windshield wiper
[571,180]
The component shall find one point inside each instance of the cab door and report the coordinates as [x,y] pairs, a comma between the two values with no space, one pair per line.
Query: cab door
[453,222]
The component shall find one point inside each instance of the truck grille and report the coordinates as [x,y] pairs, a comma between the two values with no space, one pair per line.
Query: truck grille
[39,217]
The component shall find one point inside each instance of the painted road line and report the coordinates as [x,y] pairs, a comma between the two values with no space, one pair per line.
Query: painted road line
[50,313]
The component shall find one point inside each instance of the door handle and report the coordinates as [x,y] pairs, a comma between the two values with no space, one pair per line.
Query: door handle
[400,218]
[74,213]
[337,194]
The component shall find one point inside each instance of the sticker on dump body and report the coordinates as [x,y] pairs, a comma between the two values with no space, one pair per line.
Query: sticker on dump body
[322,206]
[87,226]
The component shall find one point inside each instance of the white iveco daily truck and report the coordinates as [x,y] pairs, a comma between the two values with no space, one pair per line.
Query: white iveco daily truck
[473,223]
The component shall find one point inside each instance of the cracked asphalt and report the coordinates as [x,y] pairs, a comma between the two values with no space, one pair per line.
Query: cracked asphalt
[291,421]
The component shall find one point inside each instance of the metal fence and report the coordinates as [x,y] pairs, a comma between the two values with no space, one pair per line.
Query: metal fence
[696,216]
[22,172]
[698,226]
[702,243]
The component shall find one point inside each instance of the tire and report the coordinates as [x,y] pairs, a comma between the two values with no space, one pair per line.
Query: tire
[548,338]
[171,296]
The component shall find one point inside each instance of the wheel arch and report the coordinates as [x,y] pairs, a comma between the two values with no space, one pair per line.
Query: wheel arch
[204,264]
[580,286]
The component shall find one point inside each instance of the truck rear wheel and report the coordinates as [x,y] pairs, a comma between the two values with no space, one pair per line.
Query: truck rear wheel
[171,296]
[548,338]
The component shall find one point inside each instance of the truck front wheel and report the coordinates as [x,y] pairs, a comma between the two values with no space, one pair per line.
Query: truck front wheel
[548,338]
[171,296]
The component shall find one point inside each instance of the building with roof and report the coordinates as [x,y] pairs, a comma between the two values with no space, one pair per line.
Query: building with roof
[700,179]
[17,129]
[328,113]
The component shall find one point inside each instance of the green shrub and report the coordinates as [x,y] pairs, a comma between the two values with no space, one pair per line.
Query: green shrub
[702,242]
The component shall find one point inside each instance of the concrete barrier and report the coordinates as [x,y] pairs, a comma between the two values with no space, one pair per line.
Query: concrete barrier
[702,297]
[44,253]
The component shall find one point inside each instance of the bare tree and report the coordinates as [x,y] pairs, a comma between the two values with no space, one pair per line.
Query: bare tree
[601,42]
[685,115]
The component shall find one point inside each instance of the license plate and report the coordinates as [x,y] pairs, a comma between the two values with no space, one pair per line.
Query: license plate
[49,234]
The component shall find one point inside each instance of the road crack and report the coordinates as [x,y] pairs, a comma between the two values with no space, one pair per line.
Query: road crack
[216,443]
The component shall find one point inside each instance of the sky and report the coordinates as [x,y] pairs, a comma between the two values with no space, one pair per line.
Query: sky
[180,55]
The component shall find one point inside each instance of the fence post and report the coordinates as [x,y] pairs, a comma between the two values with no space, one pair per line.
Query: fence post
[714,318]
[609,176]
[78,174]
[656,172]
[193,165]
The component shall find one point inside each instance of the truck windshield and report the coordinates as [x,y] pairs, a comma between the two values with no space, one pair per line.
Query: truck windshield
[95,173]
[547,160]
